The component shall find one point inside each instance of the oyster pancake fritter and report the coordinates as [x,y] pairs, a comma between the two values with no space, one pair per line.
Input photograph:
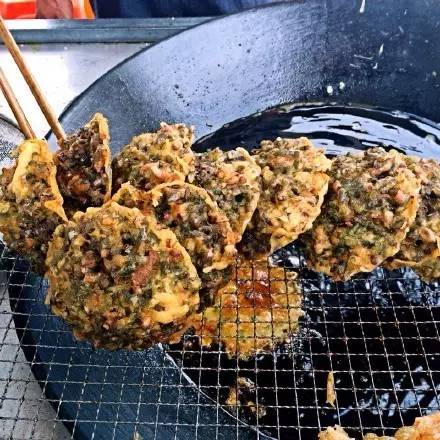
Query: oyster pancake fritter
[198,223]
[119,279]
[420,249]
[231,179]
[83,163]
[253,313]
[31,206]
[372,201]
[293,185]
[154,158]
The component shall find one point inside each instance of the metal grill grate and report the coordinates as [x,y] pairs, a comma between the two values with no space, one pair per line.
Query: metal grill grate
[379,334]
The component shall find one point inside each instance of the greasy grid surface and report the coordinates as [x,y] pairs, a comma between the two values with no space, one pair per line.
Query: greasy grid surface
[378,334]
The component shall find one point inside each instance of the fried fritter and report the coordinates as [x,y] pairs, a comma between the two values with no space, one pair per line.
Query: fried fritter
[83,163]
[293,185]
[420,249]
[253,313]
[154,158]
[198,223]
[231,179]
[31,206]
[372,202]
[119,279]
[333,433]
[424,428]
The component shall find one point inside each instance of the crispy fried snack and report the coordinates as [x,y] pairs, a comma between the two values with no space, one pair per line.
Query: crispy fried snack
[119,279]
[232,180]
[334,433]
[154,158]
[253,314]
[31,206]
[293,184]
[424,428]
[83,163]
[420,249]
[372,202]
[198,223]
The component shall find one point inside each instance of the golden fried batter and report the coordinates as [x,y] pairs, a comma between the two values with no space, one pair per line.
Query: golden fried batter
[424,428]
[335,433]
[231,179]
[84,166]
[254,313]
[119,279]
[372,201]
[293,185]
[421,248]
[375,437]
[154,158]
[198,223]
[31,206]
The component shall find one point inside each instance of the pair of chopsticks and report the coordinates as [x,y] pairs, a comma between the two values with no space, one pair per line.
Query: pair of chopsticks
[13,103]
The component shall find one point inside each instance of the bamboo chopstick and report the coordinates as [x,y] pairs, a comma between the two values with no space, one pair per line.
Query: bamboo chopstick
[45,107]
[20,117]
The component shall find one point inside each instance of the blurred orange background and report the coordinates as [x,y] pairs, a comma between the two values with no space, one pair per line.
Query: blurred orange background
[14,9]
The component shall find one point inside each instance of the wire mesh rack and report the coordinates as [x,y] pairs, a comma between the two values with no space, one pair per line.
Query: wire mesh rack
[378,334]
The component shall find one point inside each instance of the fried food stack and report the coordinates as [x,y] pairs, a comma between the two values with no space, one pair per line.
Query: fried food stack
[136,248]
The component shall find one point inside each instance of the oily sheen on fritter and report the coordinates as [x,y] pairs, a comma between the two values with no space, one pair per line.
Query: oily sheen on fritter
[199,225]
[254,312]
[119,279]
[83,164]
[154,158]
[372,201]
[420,250]
[31,206]
[294,181]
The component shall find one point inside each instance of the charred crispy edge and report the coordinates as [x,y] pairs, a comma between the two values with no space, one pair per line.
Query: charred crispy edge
[104,134]
[25,152]
[230,251]
[277,243]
